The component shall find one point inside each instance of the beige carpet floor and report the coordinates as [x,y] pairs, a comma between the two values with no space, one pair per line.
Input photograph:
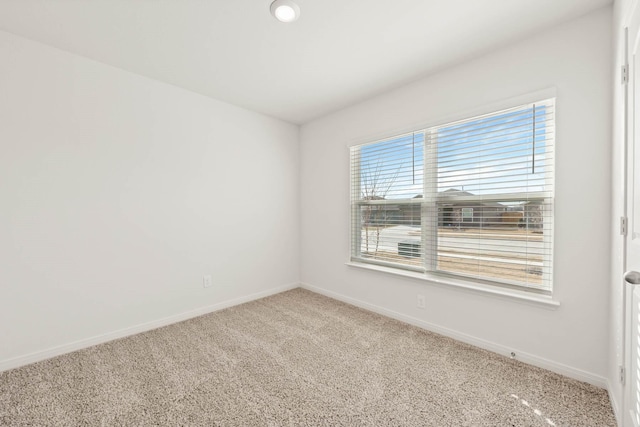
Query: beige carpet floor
[293,359]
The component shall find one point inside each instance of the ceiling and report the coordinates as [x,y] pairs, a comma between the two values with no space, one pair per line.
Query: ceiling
[338,53]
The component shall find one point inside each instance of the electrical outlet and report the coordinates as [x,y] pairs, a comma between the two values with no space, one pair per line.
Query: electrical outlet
[206,281]
[422,302]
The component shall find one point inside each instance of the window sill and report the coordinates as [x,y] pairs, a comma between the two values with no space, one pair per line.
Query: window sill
[521,296]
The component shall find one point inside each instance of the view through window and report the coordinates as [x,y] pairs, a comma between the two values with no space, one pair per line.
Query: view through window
[471,199]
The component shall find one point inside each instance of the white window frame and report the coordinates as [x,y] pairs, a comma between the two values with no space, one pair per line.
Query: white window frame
[430,202]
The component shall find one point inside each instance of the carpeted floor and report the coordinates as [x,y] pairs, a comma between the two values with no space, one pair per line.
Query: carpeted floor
[293,359]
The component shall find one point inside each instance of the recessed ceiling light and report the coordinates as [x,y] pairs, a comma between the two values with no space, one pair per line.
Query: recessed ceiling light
[285,10]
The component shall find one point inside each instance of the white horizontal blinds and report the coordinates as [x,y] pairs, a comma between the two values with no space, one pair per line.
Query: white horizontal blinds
[494,191]
[387,187]
[498,153]
[472,198]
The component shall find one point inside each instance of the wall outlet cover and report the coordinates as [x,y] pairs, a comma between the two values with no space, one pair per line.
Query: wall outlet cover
[206,281]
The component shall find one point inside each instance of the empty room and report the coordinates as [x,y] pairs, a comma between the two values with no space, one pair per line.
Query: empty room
[319,213]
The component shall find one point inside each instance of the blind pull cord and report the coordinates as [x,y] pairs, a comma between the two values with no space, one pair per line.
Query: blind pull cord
[413,156]
[533,145]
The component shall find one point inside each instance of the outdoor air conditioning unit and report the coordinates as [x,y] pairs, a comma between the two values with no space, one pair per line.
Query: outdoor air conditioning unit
[409,248]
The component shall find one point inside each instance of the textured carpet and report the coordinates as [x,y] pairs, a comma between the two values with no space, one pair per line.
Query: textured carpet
[293,359]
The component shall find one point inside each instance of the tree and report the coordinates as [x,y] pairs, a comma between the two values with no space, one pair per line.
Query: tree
[375,186]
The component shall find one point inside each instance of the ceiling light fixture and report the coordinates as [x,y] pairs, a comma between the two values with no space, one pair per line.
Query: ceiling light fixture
[285,10]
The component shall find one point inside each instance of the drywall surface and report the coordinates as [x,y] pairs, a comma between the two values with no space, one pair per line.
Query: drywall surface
[119,193]
[575,59]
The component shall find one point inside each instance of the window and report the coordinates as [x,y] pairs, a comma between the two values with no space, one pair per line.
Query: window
[467,214]
[471,199]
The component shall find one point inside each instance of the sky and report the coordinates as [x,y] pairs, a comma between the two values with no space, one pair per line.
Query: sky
[489,155]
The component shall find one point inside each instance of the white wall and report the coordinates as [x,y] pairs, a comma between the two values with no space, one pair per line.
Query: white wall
[620,10]
[118,193]
[575,59]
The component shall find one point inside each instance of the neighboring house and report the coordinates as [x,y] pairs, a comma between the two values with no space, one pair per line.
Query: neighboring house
[473,213]
[380,215]
[452,213]
[470,213]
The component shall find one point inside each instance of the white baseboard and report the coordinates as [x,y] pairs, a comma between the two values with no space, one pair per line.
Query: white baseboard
[487,345]
[531,359]
[614,403]
[143,327]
